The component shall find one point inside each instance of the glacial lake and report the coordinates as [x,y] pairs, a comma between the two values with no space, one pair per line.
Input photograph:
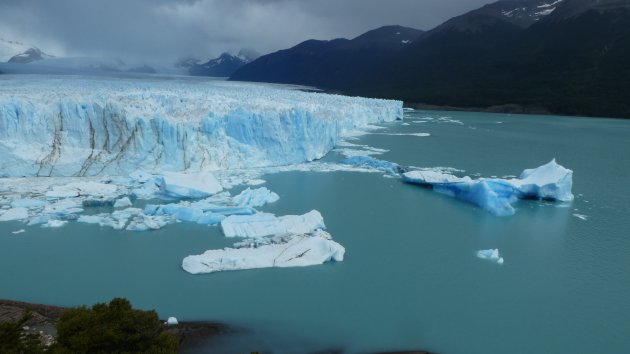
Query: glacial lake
[410,278]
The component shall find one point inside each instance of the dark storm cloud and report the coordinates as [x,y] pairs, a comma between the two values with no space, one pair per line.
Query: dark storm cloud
[165,30]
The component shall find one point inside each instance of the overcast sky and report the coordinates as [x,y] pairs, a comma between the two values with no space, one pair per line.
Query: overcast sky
[162,30]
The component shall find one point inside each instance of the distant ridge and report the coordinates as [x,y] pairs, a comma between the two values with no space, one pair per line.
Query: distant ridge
[337,63]
[567,56]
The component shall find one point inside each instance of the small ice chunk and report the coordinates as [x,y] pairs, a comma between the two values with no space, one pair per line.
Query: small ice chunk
[431,177]
[28,203]
[194,185]
[146,223]
[172,321]
[256,197]
[299,251]
[140,176]
[78,189]
[366,161]
[124,202]
[21,231]
[256,182]
[581,216]
[55,223]
[14,214]
[490,255]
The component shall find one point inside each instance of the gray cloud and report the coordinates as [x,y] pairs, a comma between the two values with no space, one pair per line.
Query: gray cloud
[166,30]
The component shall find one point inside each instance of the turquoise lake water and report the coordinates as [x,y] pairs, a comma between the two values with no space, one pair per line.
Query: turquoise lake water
[410,279]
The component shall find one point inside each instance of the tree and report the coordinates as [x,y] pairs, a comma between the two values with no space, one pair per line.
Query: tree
[112,328]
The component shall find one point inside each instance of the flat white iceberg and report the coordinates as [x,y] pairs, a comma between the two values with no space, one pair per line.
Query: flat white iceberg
[299,251]
[370,162]
[14,214]
[263,224]
[79,189]
[550,181]
[124,202]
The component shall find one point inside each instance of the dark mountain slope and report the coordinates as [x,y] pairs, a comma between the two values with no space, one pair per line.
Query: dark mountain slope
[337,64]
[575,61]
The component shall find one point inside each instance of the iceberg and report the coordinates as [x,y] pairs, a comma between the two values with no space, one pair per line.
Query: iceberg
[183,185]
[14,214]
[370,162]
[60,126]
[550,181]
[264,224]
[491,255]
[124,202]
[299,251]
[256,197]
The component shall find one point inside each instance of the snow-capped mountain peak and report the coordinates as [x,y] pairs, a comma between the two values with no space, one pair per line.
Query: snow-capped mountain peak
[29,55]
[531,10]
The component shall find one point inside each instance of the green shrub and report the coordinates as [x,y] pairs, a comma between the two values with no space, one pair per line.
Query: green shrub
[112,328]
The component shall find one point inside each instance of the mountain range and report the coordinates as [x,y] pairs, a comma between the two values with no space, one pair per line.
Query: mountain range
[567,56]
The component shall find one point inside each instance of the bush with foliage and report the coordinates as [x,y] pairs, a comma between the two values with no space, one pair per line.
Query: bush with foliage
[112,328]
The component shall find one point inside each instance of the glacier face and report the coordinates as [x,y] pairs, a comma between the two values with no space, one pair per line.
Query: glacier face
[56,126]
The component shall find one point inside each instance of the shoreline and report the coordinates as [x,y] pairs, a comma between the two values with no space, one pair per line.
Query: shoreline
[45,317]
[190,334]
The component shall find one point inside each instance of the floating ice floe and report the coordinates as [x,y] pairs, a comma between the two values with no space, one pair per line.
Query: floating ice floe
[256,197]
[184,185]
[264,224]
[581,216]
[256,182]
[124,202]
[14,214]
[370,162]
[550,181]
[491,255]
[404,134]
[299,251]
[17,232]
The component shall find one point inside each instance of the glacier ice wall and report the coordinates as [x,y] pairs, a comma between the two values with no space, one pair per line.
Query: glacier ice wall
[74,126]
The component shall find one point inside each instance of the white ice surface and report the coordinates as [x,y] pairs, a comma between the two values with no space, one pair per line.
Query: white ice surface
[299,251]
[491,255]
[264,224]
[189,185]
[75,126]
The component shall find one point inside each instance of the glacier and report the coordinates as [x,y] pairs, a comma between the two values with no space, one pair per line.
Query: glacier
[56,126]
[550,181]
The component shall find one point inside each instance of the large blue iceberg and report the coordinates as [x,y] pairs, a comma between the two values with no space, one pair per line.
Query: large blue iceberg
[550,181]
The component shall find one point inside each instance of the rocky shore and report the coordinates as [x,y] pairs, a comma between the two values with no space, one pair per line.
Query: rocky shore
[44,319]
[190,334]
